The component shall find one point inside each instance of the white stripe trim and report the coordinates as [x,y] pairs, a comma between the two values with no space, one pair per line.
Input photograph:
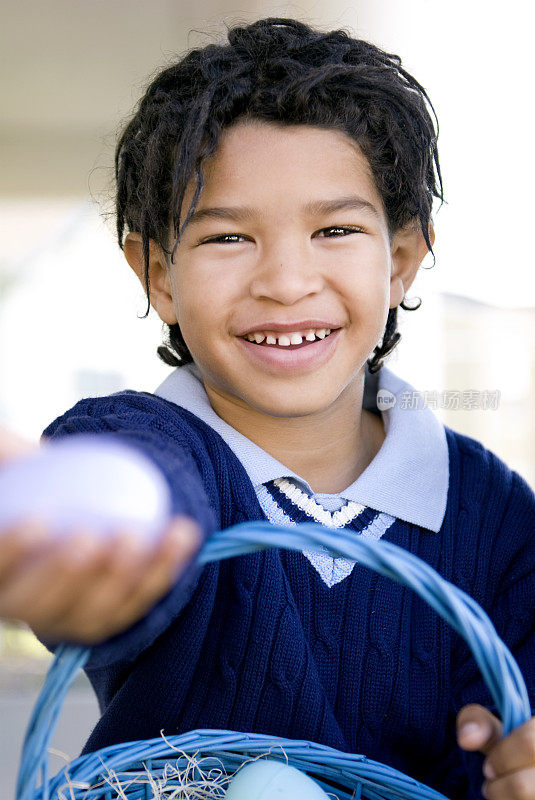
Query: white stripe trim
[336,519]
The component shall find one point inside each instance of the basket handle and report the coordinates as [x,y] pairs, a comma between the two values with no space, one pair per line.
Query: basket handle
[498,667]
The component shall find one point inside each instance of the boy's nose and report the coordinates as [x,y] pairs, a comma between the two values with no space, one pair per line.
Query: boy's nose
[286,279]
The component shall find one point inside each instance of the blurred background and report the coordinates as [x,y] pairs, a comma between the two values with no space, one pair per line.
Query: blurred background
[70,307]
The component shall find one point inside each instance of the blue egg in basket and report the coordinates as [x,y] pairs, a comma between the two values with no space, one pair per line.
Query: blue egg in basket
[272,780]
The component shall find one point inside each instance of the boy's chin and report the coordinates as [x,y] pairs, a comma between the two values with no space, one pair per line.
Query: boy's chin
[293,405]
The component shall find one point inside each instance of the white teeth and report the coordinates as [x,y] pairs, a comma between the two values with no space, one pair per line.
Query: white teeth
[284,340]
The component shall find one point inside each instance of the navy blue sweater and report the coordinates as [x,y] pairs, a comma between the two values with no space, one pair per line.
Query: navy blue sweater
[260,644]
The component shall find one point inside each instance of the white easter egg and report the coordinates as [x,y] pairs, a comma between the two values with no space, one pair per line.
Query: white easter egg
[86,480]
[267,779]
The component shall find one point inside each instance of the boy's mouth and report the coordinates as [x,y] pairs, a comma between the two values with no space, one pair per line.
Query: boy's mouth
[290,357]
[291,341]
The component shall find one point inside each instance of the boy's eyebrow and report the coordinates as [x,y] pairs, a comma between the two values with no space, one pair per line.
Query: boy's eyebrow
[314,208]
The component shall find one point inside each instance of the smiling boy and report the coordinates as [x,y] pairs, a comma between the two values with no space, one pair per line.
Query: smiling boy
[274,197]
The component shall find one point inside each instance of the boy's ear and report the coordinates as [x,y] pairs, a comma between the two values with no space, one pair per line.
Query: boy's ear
[161,298]
[408,251]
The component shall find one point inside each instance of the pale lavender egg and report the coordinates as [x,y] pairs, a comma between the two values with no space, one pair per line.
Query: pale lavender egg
[86,480]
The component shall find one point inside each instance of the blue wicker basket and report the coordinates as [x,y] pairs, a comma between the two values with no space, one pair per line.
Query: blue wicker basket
[341,775]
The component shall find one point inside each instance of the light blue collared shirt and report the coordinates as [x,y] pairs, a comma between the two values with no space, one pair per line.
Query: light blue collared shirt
[407,479]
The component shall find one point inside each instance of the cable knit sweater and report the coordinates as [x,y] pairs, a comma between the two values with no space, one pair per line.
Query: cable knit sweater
[260,643]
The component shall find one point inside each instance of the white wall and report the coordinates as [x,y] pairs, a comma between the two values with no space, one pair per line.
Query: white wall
[74,309]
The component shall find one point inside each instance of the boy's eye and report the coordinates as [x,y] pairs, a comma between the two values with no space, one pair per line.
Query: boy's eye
[222,237]
[344,228]
[225,238]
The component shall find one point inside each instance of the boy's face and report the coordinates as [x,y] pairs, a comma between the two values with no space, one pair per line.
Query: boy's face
[282,262]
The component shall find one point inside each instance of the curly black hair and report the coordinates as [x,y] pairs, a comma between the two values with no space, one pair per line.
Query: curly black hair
[281,70]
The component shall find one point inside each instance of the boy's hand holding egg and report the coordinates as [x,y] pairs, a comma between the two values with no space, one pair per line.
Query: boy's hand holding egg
[87,541]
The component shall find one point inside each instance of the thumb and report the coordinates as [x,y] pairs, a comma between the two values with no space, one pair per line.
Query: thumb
[478,729]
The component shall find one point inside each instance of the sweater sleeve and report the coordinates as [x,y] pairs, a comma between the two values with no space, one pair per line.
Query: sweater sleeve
[145,423]
[509,604]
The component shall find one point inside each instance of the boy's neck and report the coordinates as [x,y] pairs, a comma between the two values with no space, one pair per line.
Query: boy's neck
[329,450]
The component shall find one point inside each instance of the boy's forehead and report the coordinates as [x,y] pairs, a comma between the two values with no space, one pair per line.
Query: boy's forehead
[270,135]
[259,160]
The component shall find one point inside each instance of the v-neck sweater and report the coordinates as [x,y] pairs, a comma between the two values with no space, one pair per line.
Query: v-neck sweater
[260,643]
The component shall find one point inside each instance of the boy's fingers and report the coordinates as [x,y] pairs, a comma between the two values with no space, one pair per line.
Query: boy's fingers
[120,575]
[131,582]
[513,786]
[180,541]
[87,588]
[19,542]
[177,548]
[60,595]
[478,729]
[52,573]
[515,752]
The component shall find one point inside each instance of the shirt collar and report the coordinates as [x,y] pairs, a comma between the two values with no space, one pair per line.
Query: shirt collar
[409,476]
